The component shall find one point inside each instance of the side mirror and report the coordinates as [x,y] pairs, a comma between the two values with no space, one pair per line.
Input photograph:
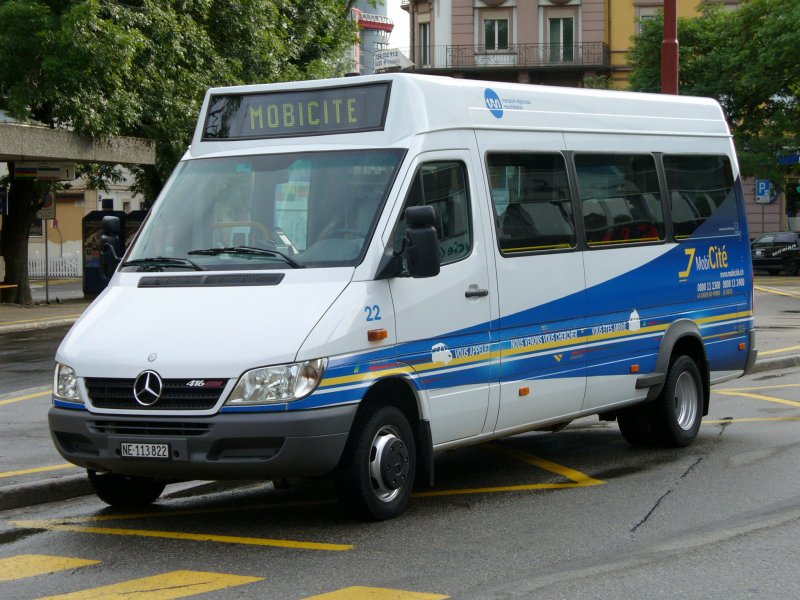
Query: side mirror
[110,246]
[421,242]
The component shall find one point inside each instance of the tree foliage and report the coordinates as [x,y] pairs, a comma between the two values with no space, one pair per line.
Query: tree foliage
[749,60]
[141,67]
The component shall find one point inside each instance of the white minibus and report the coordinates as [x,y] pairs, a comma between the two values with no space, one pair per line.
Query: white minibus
[344,277]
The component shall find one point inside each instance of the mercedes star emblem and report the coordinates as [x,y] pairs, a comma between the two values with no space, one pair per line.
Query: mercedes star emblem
[147,388]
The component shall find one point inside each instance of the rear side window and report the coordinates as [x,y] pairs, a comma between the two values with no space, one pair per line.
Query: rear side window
[620,199]
[531,201]
[443,185]
[700,190]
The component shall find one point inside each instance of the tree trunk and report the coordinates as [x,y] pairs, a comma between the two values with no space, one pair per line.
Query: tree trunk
[24,199]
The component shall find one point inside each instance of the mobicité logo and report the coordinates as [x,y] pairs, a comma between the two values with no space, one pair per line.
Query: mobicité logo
[493,102]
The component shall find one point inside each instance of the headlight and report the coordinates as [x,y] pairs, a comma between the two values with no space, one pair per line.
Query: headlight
[65,384]
[281,383]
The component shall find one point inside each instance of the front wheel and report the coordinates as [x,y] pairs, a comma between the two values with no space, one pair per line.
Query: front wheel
[676,413]
[125,491]
[792,266]
[376,475]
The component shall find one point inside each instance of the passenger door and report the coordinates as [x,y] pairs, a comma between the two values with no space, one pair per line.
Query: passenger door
[540,280]
[442,322]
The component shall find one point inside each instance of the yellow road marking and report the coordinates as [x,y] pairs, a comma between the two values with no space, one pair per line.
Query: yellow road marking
[755,389]
[175,584]
[177,535]
[38,470]
[778,351]
[748,420]
[62,317]
[577,479]
[30,565]
[371,593]
[759,397]
[26,397]
[761,288]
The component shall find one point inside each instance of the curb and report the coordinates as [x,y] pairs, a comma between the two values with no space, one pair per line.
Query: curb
[779,362]
[30,325]
[43,491]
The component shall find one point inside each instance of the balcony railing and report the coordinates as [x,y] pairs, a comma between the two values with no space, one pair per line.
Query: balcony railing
[590,54]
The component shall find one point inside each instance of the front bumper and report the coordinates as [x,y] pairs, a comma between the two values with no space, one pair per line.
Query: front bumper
[223,446]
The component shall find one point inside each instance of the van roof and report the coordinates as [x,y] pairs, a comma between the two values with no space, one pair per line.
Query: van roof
[419,104]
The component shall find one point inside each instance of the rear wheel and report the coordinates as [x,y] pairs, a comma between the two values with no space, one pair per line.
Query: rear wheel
[377,472]
[125,491]
[791,266]
[676,414]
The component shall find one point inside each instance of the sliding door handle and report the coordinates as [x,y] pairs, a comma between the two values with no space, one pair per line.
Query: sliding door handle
[475,293]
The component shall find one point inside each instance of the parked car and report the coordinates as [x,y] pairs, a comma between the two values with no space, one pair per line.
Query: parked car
[777,251]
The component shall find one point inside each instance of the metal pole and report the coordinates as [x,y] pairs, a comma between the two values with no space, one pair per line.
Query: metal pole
[46,267]
[669,49]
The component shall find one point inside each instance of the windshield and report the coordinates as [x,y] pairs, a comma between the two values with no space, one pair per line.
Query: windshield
[280,211]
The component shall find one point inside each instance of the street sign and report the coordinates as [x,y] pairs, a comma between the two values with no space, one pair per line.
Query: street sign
[764,191]
[48,209]
[44,171]
[391,58]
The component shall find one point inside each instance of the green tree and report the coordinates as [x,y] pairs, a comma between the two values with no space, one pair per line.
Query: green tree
[749,60]
[140,68]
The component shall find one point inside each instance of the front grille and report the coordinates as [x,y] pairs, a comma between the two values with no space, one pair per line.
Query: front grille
[175,395]
[150,428]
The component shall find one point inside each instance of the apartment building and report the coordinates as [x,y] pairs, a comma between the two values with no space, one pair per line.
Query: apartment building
[555,42]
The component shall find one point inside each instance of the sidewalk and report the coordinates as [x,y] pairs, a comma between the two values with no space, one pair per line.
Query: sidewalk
[25,481]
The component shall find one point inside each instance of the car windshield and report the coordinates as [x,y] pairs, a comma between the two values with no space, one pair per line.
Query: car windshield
[313,209]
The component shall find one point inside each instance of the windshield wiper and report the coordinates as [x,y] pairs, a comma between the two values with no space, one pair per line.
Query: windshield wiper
[249,250]
[157,263]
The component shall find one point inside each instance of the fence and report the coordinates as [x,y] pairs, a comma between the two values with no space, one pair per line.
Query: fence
[59,266]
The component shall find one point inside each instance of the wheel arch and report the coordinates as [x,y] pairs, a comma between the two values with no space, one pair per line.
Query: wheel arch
[402,393]
[683,337]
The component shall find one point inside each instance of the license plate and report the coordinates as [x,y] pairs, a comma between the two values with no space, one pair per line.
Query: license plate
[145,450]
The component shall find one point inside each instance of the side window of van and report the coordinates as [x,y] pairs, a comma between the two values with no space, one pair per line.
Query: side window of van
[531,201]
[442,185]
[619,198]
[698,186]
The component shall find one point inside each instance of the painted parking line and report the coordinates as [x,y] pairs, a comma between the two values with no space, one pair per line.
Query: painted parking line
[576,478]
[27,396]
[49,525]
[175,584]
[748,420]
[23,566]
[35,470]
[372,593]
[778,351]
[777,292]
[748,393]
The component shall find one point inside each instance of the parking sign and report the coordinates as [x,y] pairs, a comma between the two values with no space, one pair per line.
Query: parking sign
[763,191]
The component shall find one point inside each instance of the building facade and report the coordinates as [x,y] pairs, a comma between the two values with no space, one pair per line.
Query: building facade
[556,42]
[374,28]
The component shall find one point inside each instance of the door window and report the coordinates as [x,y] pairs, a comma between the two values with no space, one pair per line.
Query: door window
[443,185]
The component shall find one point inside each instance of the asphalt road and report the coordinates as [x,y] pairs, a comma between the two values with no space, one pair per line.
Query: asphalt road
[575,514]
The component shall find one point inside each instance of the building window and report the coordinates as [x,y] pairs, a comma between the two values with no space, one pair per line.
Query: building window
[562,38]
[646,13]
[425,43]
[495,34]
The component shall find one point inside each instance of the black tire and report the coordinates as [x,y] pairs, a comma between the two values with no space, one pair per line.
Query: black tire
[376,475]
[773,271]
[634,425]
[791,266]
[676,414]
[125,491]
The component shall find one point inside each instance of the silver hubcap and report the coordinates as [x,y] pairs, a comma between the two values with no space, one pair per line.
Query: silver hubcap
[388,463]
[687,401]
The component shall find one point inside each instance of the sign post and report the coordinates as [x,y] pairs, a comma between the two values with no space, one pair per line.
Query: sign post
[47,212]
